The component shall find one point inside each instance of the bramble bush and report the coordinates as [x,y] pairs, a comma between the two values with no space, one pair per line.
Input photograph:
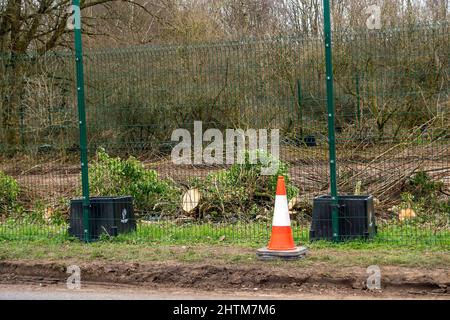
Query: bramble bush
[241,192]
[9,192]
[427,198]
[118,177]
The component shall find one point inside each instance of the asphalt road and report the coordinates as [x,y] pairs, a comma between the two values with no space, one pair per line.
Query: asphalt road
[95,292]
[59,292]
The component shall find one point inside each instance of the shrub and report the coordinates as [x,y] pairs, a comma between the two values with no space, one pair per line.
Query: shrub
[427,198]
[9,192]
[241,192]
[55,212]
[422,185]
[117,177]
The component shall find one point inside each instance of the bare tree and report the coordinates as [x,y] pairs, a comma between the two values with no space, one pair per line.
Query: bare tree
[303,16]
[438,9]
[37,25]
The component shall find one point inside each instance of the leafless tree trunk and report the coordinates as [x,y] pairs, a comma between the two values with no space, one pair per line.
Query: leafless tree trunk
[36,25]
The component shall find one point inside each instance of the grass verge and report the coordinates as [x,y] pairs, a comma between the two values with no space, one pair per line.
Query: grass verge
[249,234]
[320,253]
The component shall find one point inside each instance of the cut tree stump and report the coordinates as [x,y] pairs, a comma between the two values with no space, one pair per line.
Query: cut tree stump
[190,200]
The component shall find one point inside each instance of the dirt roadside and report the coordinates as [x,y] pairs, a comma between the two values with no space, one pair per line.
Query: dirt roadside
[284,281]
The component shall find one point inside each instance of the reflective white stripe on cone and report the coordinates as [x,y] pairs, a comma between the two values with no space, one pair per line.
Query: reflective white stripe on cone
[281,238]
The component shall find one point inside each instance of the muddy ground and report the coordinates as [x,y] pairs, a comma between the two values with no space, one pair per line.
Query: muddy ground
[241,281]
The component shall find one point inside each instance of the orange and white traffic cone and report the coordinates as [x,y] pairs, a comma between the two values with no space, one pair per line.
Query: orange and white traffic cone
[281,244]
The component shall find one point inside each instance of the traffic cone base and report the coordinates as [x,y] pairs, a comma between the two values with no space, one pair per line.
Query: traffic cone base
[281,239]
[267,254]
[281,244]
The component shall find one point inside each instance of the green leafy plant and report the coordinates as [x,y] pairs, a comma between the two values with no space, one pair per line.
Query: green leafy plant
[51,213]
[111,176]
[9,192]
[427,198]
[408,202]
[422,185]
[242,192]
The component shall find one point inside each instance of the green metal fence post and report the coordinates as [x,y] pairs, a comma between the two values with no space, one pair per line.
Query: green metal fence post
[82,118]
[331,119]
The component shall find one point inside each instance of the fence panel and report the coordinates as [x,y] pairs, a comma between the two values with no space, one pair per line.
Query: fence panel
[392,109]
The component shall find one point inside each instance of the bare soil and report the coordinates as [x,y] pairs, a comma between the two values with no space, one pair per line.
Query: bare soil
[285,280]
[306,171]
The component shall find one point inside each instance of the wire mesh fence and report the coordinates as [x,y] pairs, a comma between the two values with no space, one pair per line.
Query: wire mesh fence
[392,109]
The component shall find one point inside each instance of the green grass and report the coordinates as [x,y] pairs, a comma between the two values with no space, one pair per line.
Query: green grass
[320,254]
[407,245]
[250,234]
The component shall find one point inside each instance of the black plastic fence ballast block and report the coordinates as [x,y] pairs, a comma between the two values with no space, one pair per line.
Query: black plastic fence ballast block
[107,215]
[356,218]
